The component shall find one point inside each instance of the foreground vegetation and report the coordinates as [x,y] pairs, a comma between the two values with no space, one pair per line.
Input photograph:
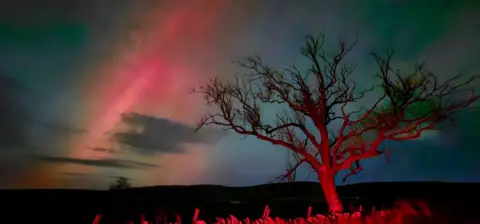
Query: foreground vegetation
[406,213]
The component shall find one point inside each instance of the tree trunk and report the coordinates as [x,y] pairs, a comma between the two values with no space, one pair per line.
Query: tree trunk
[327,181]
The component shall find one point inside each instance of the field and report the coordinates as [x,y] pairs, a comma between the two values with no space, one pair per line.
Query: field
[274,203]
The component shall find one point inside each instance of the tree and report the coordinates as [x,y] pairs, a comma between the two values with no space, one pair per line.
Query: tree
[325,93]
[121,183]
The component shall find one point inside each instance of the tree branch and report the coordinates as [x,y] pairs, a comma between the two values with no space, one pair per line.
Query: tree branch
[410,103]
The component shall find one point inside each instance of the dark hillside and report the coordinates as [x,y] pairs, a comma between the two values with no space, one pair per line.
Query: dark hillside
[285,200]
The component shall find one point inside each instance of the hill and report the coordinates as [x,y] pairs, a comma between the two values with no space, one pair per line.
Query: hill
[285,199]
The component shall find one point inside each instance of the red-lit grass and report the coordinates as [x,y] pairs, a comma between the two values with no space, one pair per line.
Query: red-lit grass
[404,215]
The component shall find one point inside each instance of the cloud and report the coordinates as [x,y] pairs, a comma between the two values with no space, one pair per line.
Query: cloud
[91,175]
[161,135]
[43,58]
[106,150]
[76,174]
[463,133]
[14,117]
[114,163]
[21,124]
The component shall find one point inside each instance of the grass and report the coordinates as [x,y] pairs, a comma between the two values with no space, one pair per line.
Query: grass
[403,215]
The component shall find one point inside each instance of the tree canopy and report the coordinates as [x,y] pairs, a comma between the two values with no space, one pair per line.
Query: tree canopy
[408,104]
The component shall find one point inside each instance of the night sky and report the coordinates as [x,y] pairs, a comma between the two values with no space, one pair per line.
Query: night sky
[91,90]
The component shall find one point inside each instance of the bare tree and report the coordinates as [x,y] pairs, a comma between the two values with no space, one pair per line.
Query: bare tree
[409,104]
[120,183]
[290,174]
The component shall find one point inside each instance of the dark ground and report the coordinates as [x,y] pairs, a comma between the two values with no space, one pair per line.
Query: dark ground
[285,200]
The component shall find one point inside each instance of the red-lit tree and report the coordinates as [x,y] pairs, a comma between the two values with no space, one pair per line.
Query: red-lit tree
[409,104]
